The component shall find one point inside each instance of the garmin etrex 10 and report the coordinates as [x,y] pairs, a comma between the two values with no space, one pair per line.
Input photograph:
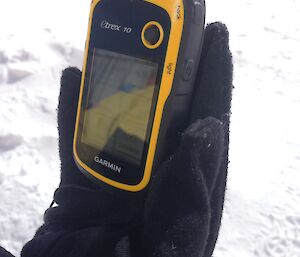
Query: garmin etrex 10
[139,69]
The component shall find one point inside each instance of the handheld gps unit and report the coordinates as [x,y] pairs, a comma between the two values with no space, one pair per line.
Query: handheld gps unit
[137,82]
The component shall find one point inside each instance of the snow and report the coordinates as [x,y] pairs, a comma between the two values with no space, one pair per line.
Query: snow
[262,210]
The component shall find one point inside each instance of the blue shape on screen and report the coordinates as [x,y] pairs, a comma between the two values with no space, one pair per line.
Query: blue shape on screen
[128,88]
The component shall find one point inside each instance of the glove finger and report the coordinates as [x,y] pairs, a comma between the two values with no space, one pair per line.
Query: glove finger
[66,118]
[212,95]
[177,212]
[213,98]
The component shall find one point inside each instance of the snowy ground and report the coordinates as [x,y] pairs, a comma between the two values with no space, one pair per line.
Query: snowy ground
[262,211]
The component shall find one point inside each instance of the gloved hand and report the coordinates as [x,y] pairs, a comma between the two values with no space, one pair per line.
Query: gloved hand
[181,213]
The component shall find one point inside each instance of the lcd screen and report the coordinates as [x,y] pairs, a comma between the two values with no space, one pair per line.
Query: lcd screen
[119,99]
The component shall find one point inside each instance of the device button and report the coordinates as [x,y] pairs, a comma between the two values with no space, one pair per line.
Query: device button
[197,12]
[188,69]
[152,35]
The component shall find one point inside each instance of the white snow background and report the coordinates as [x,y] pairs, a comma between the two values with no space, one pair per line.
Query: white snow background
[39,38]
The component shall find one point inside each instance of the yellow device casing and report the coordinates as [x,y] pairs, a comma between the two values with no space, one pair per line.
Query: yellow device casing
[181,57]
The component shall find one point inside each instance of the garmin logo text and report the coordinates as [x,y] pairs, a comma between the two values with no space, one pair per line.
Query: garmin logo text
[108,164]
[107,25]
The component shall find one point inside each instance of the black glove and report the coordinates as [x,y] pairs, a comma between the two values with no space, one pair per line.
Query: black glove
[4,253]
[180,215]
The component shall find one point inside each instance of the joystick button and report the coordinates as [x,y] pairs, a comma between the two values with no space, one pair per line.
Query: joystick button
[152,35]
